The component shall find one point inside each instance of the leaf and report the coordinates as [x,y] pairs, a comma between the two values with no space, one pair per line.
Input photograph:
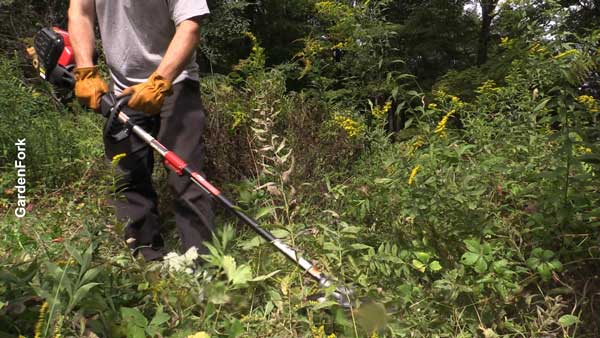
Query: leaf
[160,317]
[90,275]
[262,212]
[470,258]
[323,305]
[545,271]
[80,294]
[547,255]
[481,266]
[418,265]
[133,317]
[568,320]
[73,252]
[423,256]
[472,245]
[359,246]
[252,243]
[533,262]
[541,105]
[229,266]
[87,257]
[242,275]
[435,266]
[556,265]
[236,329]
[135,332]
[537,252]
[263,277]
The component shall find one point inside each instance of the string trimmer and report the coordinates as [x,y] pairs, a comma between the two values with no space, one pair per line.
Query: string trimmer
[51,44]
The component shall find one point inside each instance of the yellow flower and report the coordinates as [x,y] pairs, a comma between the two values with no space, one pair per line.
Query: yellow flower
[584,150]
[339,45]
[442,124]
[251,36]
[41,319]
[318,332]
[566,53]
[379,113]
[589,102]
[418,143]
[239,117]
[117,158]
[353,128]
[201,334]
[487,86]
[306,69]
[413,174]
[432,106]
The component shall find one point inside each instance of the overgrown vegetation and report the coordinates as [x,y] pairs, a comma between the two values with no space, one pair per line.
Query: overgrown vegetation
[479,217]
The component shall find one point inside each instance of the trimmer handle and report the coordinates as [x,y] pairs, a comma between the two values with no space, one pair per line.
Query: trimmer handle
[110,103]
[110,107]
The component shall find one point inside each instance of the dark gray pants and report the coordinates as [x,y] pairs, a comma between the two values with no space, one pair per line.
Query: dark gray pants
[179,128]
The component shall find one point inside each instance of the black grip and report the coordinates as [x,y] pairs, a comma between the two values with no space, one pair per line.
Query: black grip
[110,107]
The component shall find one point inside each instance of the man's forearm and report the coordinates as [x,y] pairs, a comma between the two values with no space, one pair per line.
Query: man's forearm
[81,32]
[180,50]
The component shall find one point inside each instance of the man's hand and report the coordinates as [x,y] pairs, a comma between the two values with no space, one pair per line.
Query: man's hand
[89,87]
[150,95]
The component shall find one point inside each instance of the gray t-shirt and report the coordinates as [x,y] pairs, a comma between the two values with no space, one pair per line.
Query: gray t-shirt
[136,34]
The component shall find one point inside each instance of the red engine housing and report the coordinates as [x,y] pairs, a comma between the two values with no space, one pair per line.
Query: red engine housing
[66,58]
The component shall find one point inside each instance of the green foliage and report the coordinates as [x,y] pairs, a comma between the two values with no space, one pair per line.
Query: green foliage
[480,220]
[58,148]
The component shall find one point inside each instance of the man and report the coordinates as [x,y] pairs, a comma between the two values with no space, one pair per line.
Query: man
[149,47]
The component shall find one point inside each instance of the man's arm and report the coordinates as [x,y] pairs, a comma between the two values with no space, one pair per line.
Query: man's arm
[82,16]
[180,49]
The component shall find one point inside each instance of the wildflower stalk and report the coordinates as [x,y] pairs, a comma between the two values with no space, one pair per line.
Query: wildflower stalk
[41,318]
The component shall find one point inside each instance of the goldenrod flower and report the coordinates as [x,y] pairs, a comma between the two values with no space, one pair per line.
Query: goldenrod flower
[442,124]
[487,86]
[251,36]
[379,113]
[413,174]
[589,102]
[58,328]
[318,332]
[566,53]
[418,143]
[41,319]
[584,150]
[353,128]
[117,158]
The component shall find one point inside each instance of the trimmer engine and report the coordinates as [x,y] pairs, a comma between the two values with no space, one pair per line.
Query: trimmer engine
[53,57]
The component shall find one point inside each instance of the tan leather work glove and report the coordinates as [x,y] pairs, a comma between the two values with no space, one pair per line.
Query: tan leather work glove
[150,95]
[89,86]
